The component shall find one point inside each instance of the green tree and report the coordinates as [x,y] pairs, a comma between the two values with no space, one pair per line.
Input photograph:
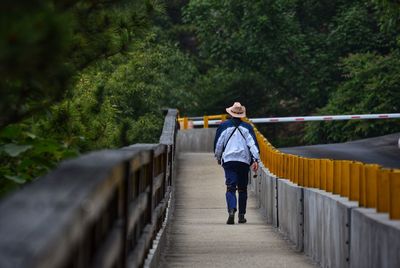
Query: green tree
[80,76]
[372,86]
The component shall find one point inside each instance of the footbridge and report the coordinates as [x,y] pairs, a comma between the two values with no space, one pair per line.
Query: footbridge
[163,205]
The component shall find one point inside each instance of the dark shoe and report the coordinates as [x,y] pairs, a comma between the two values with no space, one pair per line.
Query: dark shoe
[242,219]
[231,218]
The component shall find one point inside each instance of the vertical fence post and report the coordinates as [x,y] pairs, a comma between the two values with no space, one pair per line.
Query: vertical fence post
[205,119]
[362,201]
[383,190]
[345,179]
[363,186]
[273,163]
[150,177]
[371,176]
[301,172]
[329,175]
[337,175]
[323,174]
[355,168]
[306,176]
[296,170]
[291,167]
[317,173]
[394,185]
[311,173]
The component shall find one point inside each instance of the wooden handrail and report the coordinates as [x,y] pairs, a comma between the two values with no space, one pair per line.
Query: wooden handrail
[102,209]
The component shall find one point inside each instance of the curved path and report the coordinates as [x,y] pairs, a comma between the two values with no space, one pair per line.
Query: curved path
[198,235]
[382,150]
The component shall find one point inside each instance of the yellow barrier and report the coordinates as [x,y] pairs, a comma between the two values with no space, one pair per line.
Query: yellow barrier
[186,123]
[369,184]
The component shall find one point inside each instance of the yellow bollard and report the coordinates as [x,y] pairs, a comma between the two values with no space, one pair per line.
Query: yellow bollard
[363,185]
[291,169]
[279,164]
[383,189]
[371,176]
[329,175]
[317,173]
[355,174]
[306,176]
[287,167]
[273,162]
[337,175]
[296,170]
[394,202]
[282,169]
[311,173]
[205,119]
[185,123]
[323,174]
[345,180]
[301,172]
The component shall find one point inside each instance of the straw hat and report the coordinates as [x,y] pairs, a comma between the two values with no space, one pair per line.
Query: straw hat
[237,110]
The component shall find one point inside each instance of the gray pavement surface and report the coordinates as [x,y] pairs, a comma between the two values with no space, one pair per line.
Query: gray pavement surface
[382,150]
[198,235]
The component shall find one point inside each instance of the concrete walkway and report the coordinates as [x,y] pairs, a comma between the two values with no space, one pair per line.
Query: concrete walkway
[198,235]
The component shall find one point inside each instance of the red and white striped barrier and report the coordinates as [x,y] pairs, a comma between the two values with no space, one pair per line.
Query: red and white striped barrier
[308,118]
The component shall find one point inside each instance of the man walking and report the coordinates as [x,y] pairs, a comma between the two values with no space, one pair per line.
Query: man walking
[236,149]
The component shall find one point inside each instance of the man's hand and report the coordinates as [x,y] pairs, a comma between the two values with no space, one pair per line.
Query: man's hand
[254,166]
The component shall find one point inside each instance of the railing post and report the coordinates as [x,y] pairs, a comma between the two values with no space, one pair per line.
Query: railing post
[363,186]
[317,173]
[150,177]
[185,123]
[306,177]
[383,190]
[301,171]
[355,172]
[311,173]
[205,120]
[371,174]
[394,195]
[323,174]
[337,175]
[345,179]
[329,175]
[296,169]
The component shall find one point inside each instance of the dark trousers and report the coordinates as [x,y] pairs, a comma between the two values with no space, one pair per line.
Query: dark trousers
[236,178]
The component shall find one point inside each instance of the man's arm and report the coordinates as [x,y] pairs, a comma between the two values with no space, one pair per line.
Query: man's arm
[253,145]
[218,143]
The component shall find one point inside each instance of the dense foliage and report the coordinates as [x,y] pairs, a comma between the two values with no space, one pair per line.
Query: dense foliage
[82,75]
[79,76]
[284,58]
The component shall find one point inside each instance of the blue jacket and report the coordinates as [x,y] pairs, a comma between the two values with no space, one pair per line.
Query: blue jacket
[242,146]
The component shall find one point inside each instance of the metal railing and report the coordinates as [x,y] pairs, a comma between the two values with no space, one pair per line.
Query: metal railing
[371,185]
[102,209]
[206,121]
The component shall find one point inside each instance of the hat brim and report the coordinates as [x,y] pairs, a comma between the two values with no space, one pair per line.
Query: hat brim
[228,110]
